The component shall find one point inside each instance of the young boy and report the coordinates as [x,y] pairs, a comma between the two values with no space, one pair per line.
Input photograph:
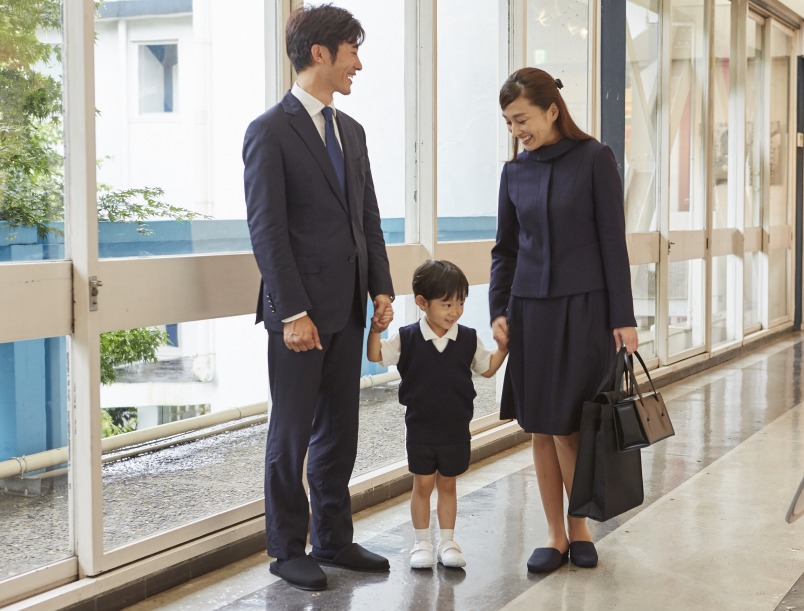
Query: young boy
[436,358]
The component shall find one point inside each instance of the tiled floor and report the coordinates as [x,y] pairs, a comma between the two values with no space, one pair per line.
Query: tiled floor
[711,534]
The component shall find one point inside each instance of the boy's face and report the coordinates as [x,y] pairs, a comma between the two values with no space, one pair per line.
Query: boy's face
[441,314]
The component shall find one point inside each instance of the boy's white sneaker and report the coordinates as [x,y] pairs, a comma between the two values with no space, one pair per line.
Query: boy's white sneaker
[449,554]
[421,555]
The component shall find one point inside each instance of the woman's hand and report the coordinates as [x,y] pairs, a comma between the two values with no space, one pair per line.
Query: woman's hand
[499,331]
[626,336]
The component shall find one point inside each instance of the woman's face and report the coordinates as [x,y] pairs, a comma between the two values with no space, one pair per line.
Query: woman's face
[531,125]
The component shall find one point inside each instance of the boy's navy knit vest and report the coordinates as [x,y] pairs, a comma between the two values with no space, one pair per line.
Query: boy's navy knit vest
[437,387]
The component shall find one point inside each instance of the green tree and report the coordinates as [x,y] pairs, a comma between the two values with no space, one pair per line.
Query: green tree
[31,177]
[120,348]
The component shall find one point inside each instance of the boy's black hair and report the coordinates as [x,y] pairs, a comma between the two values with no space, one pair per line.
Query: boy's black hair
[324,25]
[440,280]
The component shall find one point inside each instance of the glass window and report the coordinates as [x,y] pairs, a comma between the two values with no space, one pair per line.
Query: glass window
[779,282]
[377,102]
[32,148]
[724,212]
[754,107]
[779,204]
[725,302]
[686,294]
[643,287]
[558,42]
[468,117]
[217,370]
[685,112]
[642,80]
[752,290]
[173,105]
[158,77]
[779,132]
[34,490]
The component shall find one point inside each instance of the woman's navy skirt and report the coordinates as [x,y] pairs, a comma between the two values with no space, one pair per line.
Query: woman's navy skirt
[559,352]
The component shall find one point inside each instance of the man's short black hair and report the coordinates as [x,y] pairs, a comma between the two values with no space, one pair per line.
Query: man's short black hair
[324,25]
[440,280]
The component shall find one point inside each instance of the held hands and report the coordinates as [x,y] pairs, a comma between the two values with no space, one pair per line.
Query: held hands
[301,335]
[383,313]
[499,331]
[626,336]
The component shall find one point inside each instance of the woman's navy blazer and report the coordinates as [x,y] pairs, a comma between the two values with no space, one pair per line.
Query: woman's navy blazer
[561,229]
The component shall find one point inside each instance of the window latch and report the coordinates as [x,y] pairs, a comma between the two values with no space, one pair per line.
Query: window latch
[94,285]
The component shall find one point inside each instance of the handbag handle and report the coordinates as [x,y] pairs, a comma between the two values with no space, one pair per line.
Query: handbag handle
[632,375]
[613,378]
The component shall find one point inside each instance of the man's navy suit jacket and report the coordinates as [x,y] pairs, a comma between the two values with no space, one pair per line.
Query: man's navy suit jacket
[308,235]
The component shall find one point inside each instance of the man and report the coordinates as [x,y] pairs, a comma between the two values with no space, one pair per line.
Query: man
[315,230]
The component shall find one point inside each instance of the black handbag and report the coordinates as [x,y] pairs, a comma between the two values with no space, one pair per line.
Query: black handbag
[640,419]
[607,482]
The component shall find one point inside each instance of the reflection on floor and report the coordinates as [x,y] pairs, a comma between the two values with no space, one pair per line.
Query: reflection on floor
[710,535]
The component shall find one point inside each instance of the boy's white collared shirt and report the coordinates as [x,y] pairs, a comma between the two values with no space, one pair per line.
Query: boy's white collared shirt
[439,342]
[392,347]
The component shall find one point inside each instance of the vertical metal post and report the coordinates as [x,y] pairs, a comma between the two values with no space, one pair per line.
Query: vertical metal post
[799,177]
[612,78]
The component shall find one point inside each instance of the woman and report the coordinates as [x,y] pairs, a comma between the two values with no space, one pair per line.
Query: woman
[560,291]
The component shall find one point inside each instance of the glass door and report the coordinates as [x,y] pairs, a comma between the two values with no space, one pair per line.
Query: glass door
[685,168]
[754,259]
[779,217]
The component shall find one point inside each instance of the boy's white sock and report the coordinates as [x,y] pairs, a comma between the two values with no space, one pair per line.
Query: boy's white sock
[421,534]
[447,534]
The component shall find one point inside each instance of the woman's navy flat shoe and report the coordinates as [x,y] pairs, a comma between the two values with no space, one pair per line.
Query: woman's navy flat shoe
[546,560]
[583,554]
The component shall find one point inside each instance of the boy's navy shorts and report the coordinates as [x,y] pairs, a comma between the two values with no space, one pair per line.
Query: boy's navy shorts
[449,460]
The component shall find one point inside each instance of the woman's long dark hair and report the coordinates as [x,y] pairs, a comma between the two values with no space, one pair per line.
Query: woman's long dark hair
[541,90]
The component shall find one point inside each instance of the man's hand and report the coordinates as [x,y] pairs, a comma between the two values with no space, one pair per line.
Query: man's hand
[301,335]
[383,313]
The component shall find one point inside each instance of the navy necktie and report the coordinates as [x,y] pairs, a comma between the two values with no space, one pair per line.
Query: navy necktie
[333,148]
